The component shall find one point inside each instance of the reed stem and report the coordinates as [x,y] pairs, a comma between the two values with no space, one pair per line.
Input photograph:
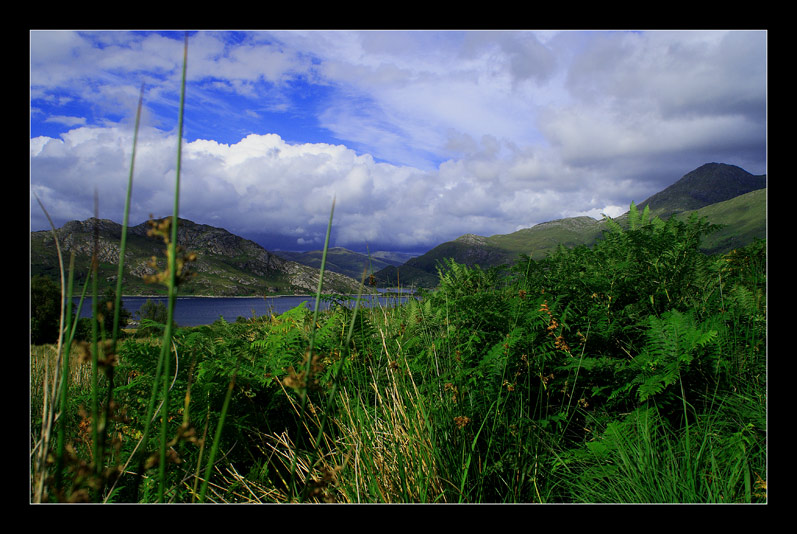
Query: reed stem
[172,282]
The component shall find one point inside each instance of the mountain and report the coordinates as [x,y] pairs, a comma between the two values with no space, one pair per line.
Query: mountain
[394,258]
[346,262]
[470,249]
[225,265]
[724,194]
[230,265]
[542,238]
[422,271]
[706,185]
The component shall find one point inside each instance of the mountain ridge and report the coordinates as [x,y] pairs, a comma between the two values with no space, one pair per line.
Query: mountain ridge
[232,265]
[227,264]
[708,184]
[347,262]
[712,184]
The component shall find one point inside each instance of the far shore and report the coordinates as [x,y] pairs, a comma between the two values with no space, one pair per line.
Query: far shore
[217,296]
[256,296]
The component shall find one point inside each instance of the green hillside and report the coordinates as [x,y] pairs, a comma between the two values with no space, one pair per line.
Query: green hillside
[725,194]
[422,271]
[743,218]
[538,241]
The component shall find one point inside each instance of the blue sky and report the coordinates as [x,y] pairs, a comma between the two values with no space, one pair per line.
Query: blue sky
[420,136]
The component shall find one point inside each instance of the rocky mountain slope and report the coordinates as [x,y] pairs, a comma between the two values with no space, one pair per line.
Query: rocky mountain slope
[225,264]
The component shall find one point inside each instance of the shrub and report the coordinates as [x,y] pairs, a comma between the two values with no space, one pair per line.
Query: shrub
[45,310]
[152,316]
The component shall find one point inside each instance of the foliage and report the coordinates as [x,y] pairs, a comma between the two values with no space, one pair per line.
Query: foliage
[638,360]
[105,307]
[152,317]
[642,458]
[45,310]
[666,358]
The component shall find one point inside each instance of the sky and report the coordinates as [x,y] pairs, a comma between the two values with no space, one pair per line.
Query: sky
[418,136]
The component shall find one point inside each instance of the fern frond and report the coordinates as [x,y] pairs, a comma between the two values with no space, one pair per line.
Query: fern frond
[613,225]
[668,352]
[645,219]
[633,217]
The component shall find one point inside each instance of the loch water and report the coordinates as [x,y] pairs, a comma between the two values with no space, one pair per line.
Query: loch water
[195,311]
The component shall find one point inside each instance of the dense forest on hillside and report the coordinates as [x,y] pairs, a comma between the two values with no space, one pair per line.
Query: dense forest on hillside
[630,371]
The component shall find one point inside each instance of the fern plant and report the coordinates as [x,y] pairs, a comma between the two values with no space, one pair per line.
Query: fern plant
[672,344]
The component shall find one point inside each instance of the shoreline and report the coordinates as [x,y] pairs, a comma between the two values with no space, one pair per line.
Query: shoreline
[311,296]
[213,296]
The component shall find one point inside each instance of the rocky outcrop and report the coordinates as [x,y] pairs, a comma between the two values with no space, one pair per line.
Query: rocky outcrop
[472,239]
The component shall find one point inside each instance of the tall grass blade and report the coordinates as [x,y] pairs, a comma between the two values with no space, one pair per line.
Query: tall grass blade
[318,295]
[123,244]
[308,367]
[96,324]
[48,415]
[216,439]
[64,378]
[172,282]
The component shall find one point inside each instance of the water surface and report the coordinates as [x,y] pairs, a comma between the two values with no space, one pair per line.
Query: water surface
[195,311]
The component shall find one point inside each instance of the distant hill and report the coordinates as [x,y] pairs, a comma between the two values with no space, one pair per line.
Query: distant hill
[422,270]
[542,238]
[226,264]
[394,258]
[346,262]
[725,194]
[469,249]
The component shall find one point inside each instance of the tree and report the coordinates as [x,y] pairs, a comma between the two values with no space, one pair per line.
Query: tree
[45,310]
[105,311]
[154,311]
